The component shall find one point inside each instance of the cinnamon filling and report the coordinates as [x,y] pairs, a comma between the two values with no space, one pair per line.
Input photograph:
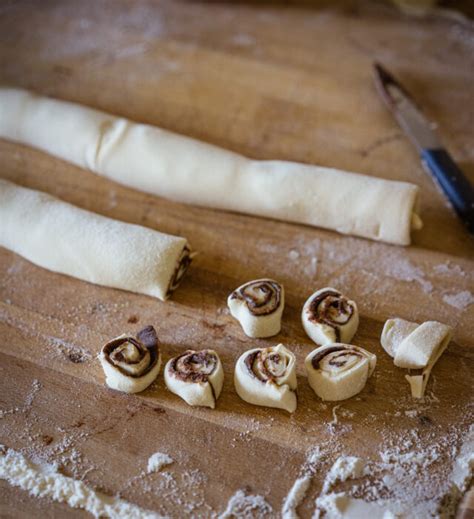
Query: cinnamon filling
[335,358]
[195,366]
[266,365]
[331,308]
[261,297]
[183,264]
[134,357]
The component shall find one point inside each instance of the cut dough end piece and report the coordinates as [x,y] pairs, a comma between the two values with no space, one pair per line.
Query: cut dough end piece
[422,344]
[416,347]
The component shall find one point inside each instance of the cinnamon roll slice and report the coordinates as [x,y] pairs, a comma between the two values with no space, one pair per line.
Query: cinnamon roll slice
[196,377]
[328,317]
[339,371]
[267,377]
[416,347]
[131,364]
[258,306]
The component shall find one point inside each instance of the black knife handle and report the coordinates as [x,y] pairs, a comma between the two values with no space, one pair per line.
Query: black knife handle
[453,182]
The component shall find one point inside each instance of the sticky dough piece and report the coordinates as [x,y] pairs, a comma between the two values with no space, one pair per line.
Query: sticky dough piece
[258,306]
[422,345]
[418,380]
[417,347]
[267,377]
[196,377]
[131,364]
[183,169]
[339,371]
[63,238]
[413,345]
[393,333]
[328,317]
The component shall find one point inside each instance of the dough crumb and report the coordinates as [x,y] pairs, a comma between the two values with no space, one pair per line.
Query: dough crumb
[245,506]
[157,461]
[460,300]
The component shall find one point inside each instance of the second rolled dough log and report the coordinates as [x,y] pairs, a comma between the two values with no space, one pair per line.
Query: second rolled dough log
[183,169]
[63,238]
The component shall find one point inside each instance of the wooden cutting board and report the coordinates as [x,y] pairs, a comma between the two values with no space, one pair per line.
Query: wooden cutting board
[271,82]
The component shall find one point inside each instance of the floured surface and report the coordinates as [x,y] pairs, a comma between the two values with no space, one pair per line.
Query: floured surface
[250,90]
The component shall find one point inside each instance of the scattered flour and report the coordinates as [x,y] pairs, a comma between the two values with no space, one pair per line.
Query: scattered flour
[243,40]
[35,388]
[157,461]
[460,300]
[43,480]
[245,506]
[293,255]
[300,487]
[344,468]
[449,269]
[342,506]
[464,463]
[295,497]
[401,485]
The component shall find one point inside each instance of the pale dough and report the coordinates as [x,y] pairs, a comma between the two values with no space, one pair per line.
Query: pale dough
[196,377]
[339,371]
[267,377]
[416,347]
[328,317]
[63,238]
[131,364]
[258,306]
[183,169]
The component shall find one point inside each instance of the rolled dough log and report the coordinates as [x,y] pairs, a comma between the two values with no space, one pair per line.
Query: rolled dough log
[63,238]
[196,376]
[183,169]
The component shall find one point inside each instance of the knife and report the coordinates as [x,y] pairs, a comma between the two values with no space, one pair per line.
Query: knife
[435,158]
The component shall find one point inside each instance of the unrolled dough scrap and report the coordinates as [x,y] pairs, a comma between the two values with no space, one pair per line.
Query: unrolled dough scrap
[196,376]
[183,169]
[63,238]
[329,317]
[131,364]
[339,371]
[258,306]
[422,344]
[267,377]
[393,333]
[416,347]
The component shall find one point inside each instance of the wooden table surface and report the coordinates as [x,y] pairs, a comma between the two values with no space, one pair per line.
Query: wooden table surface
[271,82]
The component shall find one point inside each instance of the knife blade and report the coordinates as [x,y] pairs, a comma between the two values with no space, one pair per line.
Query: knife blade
[434,157]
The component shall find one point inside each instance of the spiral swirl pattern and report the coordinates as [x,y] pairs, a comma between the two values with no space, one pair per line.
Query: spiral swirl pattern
[329,317]
[339,371]
[195,376]
[262,296]
[131,364]
[267,377]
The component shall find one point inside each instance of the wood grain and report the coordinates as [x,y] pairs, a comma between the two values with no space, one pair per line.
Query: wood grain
[271,82]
